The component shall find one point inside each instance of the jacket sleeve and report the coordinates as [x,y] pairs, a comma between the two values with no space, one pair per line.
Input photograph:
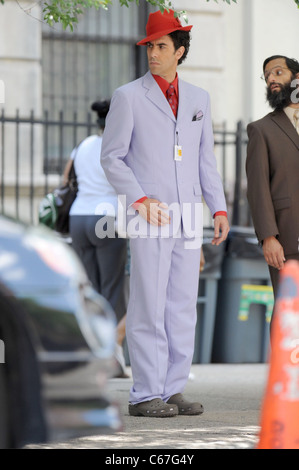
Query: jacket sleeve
[259,184]
[119,128]
[211,182]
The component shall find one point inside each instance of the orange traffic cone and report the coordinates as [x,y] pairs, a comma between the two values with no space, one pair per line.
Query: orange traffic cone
[280,411]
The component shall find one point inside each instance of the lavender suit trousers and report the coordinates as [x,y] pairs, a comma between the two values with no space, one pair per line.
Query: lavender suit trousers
[161,316]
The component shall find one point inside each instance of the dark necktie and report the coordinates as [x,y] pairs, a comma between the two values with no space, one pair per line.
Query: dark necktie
[172,99]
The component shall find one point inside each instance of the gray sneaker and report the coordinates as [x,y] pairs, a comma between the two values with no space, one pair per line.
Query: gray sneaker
[185,407]
[155,408]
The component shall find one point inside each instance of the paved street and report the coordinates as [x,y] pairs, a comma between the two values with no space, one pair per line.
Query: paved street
[231,394]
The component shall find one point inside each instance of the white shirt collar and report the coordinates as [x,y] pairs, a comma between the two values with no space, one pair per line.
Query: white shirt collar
[290,113]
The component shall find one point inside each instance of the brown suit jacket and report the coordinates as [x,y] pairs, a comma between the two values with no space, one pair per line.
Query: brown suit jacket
[272,168]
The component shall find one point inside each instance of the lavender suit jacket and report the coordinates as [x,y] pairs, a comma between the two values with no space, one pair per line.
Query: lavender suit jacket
[138,146]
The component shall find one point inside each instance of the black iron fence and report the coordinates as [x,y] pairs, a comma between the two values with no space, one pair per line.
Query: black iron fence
[35,149]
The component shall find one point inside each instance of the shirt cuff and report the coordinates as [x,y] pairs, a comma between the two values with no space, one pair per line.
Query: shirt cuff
[136,203]
[220,213]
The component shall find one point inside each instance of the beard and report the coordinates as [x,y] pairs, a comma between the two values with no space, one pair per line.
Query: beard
[280,99]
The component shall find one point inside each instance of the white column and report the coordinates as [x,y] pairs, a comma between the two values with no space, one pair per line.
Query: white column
[21,89]
[20,57]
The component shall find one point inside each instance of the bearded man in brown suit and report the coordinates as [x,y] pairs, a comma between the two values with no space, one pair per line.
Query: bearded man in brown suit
[272,167]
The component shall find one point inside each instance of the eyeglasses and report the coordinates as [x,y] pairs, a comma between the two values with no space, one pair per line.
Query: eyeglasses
[276,71]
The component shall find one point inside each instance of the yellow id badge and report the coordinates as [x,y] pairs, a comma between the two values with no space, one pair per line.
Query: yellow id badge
[178,153]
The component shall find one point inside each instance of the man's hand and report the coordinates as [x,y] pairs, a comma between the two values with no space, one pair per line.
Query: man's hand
[221,229]
[151,210]
[273,252]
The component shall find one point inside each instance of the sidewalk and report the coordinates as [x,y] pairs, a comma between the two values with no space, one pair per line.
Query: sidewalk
[232,396]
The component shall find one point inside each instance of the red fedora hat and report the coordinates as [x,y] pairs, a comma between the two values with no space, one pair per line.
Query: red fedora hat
[160,24]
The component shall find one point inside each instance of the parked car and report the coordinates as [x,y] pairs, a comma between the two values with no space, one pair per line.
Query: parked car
[57,342]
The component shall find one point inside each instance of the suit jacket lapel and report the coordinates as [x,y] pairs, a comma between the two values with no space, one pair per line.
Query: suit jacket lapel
[185,101]
[182,100]
[282,120]
[154,93]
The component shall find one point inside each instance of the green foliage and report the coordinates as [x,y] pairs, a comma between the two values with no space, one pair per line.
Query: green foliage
[66,12]
[227,1]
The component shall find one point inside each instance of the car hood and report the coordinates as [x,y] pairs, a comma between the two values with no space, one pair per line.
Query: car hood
[35,259]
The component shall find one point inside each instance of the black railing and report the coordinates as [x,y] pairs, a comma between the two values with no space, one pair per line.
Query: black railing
[34,151]
[232,145]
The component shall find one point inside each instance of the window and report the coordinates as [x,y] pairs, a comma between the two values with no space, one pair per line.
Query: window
[86,65]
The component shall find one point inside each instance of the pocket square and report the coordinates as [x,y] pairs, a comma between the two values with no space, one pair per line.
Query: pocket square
[198,116]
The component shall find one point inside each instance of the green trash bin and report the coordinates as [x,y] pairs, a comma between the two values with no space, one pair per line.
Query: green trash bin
[207,298]
[245,302]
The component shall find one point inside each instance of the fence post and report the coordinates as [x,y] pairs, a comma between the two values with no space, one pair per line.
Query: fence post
[46,151]
[238,175]
[61,129]
[17,183]
[31,164]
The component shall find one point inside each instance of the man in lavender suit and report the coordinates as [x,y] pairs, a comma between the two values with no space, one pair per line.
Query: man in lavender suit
[157,152]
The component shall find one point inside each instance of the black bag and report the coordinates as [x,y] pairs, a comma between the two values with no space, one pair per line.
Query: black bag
[64,198]
[55,207]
